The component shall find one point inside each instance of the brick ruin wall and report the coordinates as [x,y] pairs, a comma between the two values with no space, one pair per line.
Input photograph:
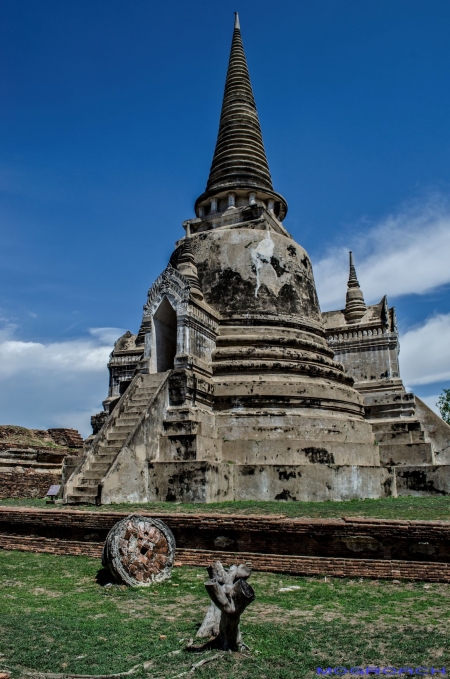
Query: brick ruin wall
[28,471]
[23,483]
[417,550]
[70,438]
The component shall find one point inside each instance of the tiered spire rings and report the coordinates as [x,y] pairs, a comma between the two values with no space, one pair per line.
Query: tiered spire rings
[239,172]
[355,307]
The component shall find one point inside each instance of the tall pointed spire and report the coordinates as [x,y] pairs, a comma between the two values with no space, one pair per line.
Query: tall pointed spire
[239,164]
[355,307]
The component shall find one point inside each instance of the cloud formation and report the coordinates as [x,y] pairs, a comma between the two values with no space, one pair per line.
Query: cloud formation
[406,253]
[54,384]
[425,352]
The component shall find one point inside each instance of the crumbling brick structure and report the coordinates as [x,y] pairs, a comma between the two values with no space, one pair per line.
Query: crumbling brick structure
[31,460]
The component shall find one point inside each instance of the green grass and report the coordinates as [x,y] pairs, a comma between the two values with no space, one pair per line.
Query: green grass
[419,508]
[54,617]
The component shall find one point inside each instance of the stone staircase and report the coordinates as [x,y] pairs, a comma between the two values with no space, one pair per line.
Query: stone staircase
[402,442]
[391,411]
[83,485]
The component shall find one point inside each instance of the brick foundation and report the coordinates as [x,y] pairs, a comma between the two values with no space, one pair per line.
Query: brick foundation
[26,483]
[334,547]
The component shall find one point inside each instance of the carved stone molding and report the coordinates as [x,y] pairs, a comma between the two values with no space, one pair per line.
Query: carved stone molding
[171,284]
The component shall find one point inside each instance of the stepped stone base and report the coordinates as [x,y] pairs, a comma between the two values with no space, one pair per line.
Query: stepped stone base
[206,482]
[150,450]
[423,480]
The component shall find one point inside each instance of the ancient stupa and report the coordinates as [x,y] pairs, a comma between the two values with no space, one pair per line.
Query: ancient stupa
[230,389]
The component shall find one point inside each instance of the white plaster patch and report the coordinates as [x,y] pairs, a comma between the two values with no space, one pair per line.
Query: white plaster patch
[265,273]
[261,255]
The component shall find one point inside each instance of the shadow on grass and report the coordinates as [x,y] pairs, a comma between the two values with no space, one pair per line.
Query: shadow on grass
[104,577]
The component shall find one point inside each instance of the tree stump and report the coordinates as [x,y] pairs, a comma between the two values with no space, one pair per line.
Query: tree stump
[230,595]
[139,551]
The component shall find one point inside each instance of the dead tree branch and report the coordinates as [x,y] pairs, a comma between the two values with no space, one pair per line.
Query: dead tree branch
[211,622]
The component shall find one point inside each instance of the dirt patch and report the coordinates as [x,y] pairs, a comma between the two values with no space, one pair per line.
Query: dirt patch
[40,591]
[280,616]
[99,615]
[12,583]
[146,608]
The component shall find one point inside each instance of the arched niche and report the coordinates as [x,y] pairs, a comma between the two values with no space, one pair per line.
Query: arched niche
[165,336]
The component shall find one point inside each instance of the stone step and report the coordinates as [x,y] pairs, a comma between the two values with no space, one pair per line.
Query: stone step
[87,483]
[143,393]
[125,424]
[113,447]
[398,431]
[82,499]
[97,467]
[154,379]
[123,428]
[93,474]
[395,424]
[134,410]
[140,402]
[389,410]
[413,454]
[116,437]
[85,490]
[399,437]
[105,454]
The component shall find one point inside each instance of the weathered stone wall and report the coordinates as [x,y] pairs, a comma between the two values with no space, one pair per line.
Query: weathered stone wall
[258,268]
[368,348]
[340,547]
[365,356]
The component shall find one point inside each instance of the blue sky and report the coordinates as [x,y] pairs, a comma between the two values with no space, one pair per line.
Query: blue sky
[108,122]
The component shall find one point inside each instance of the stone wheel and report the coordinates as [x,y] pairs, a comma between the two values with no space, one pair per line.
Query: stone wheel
[139,551]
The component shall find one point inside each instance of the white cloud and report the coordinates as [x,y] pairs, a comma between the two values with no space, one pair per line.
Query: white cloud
[406,253]
[18,357]
[106,335]
[425,352]
[54,384]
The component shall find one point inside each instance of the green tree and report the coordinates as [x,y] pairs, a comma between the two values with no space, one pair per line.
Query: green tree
[444,405]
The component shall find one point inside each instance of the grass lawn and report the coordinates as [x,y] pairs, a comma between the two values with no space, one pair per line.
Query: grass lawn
[55,617]
[420,508]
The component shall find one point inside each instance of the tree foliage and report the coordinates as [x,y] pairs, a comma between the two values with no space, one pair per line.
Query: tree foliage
[444,405]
